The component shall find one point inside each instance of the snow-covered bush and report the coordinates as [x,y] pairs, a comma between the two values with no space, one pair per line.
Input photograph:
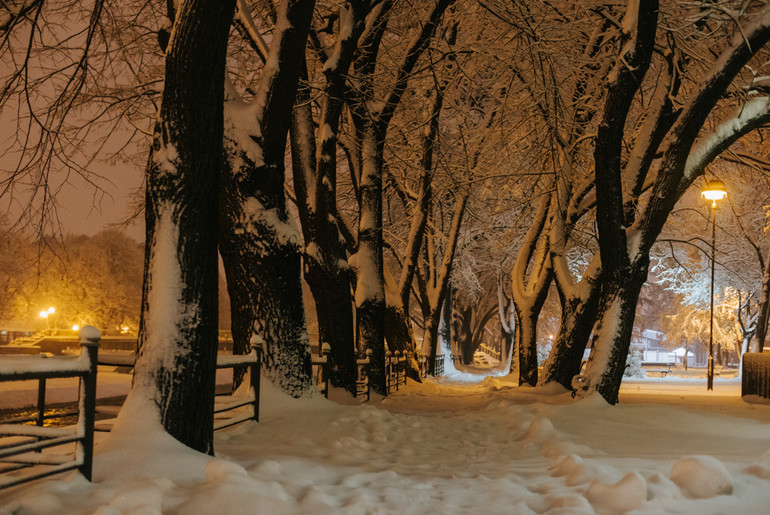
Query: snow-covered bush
[634,363]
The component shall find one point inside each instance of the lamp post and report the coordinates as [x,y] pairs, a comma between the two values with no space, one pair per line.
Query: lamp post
[714,190]
[47,315]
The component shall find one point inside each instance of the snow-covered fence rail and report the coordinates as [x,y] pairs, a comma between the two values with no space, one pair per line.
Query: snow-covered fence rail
[438,365]
[21,445]
[226,402]
[253,361]
[489,351]
[756,374]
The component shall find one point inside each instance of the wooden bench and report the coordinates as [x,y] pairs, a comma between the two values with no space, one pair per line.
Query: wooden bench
[658,370]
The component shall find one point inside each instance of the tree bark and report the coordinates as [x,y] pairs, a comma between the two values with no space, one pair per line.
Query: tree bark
[530,280]
[177,346]
[578,317]
[259,243]
[617,309]
[368,260]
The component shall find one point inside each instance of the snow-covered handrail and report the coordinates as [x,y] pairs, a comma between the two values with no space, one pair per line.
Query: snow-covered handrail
[253,360]
[36,438]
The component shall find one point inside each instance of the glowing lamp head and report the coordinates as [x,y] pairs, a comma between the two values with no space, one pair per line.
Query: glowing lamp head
[714,190]
[75,327]
[44,314]
[52,309]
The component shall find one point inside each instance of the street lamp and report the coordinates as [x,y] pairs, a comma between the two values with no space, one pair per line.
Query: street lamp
[714,190]
[47,315]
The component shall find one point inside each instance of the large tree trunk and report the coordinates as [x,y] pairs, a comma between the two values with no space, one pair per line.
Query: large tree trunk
[368,259]
[315,180]
[261,254]
[530,280]
[431,339]
[398,329]
[577,321]
[260,244]
[445,322]
[330,285]
[177,345]
[525,339]
[464,333]
[614,327]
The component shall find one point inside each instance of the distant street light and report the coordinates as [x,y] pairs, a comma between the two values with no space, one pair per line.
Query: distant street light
[47,314]
[714,190]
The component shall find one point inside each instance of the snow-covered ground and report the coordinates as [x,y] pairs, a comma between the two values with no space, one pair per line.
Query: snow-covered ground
[458,445]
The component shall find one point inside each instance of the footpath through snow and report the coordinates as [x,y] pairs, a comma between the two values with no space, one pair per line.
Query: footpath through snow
[442,447]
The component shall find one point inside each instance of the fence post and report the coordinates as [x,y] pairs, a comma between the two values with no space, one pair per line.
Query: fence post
[366,371]
[398,369]
[325,350]
[40,405]
[89,344]
[388,372]
[255,372]
[40,402]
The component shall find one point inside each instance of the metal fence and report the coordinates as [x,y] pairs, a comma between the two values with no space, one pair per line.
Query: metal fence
[395,370]
[438,365]
[224,402]
[21,445]
[233,401]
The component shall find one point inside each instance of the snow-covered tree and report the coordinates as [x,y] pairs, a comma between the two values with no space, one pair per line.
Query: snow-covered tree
[629,223]
[259,240]
[176,362]
[88,280]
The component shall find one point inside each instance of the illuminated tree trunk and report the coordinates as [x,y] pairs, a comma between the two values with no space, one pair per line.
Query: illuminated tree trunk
[259,242]
[176,361]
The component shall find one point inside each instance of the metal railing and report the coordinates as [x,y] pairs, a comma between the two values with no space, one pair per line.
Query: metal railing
[21,445]
[252,361]
[321,365]
[489,351]
[438,365]
[756,374]
[395,370]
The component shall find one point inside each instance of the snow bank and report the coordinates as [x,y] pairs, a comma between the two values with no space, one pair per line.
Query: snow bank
[630,493]
[701,477]
[437,447]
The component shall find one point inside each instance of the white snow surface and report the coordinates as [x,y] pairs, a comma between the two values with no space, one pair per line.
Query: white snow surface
[42,363]
[457,445]
[162,347]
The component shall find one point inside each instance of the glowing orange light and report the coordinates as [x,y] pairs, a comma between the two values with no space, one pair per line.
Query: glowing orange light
[714,190]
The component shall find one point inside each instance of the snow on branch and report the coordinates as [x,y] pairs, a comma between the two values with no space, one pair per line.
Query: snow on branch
[248,28]
[256,218]
[753,114]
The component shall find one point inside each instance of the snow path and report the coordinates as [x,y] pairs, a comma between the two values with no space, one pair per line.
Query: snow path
[444,447]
